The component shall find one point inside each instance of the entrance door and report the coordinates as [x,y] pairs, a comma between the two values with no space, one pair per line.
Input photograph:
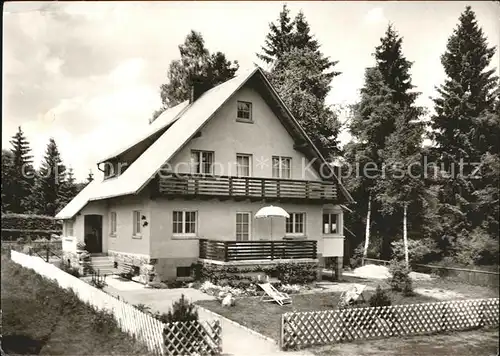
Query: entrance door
[93,233]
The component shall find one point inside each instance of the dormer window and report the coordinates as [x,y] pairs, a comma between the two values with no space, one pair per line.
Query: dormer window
[244,111]
[109,170]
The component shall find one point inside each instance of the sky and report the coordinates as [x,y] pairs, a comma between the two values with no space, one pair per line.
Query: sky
[88,73]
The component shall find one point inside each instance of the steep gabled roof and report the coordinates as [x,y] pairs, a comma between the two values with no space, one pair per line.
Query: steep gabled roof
[162,122]
[183,127]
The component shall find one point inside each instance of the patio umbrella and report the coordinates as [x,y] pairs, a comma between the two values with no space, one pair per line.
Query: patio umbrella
[270,212]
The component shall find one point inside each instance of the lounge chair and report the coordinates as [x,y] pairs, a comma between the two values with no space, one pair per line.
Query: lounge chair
[352,295]
[272,294]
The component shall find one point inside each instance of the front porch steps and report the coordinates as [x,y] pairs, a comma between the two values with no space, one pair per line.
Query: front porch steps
[104,264]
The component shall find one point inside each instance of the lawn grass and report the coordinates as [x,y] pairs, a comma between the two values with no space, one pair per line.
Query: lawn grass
[38,317]
[265,317]
[467,343]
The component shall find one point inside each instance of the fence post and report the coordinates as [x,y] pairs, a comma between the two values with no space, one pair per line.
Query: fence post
[272,250]
[226,257]
[47,253]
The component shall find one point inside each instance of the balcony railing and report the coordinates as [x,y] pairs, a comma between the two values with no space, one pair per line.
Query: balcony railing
[228,251]
[246,187]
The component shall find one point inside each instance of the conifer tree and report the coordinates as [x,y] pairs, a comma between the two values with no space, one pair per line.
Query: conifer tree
[68,189]
[302,76]
[50,182]
[466,128]
[279,39]
[7,180]
[22,174]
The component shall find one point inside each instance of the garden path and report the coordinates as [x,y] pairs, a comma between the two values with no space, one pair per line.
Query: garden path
[237,340]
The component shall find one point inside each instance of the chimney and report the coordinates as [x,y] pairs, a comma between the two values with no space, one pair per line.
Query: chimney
[197,89]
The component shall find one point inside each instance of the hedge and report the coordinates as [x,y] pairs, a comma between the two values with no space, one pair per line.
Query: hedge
[30,222]
[287,273]
[15,234]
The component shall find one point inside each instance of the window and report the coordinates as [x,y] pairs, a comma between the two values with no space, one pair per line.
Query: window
[184,222]
[330,223]
[243,226]
[243,163]
[282,167]
[295,224]
[183,271]
[112,223]
[244,111]
[136,223]
[69,228]
[202,162]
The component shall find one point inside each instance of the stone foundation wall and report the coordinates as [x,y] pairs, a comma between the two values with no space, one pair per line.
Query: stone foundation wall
[147,266]
[73,259]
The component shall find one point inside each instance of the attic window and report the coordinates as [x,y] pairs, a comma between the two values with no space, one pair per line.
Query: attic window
[244,111]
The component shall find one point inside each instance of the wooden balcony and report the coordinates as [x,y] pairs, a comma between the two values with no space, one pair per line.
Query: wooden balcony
[229,251]
[196,185]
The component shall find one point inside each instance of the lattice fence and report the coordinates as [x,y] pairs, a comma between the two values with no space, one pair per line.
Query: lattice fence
[300,330]
[192,338]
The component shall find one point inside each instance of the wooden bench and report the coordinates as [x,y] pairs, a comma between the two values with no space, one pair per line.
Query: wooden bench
[125,268]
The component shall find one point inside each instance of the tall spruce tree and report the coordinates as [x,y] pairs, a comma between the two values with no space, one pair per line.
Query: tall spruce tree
[302,75]
[22,174]
[195,65]
[7,180]
[372,122]
[386,99]
[69,188]
[50,181]
[466,128]
[279,39]
[394,67]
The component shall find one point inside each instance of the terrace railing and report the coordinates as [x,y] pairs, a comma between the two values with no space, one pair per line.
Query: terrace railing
[228,251]
[246,187]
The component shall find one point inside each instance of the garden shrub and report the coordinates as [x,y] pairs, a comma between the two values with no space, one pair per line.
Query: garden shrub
[181,311]
[400,280]
[357,256]
[288,273]
[380,298]
[477,248]
[418,250]
[66,267]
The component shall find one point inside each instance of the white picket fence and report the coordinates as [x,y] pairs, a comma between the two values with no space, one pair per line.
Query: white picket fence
[139,325]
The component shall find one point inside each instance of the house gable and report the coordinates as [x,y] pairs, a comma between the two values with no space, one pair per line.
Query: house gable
[264,137]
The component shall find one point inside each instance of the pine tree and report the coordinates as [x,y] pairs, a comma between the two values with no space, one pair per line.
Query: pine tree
[22,174]
[195,65]
[466,128]
[279,39]
[51,177]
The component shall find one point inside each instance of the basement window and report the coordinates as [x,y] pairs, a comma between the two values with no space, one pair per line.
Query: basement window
[183,272]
